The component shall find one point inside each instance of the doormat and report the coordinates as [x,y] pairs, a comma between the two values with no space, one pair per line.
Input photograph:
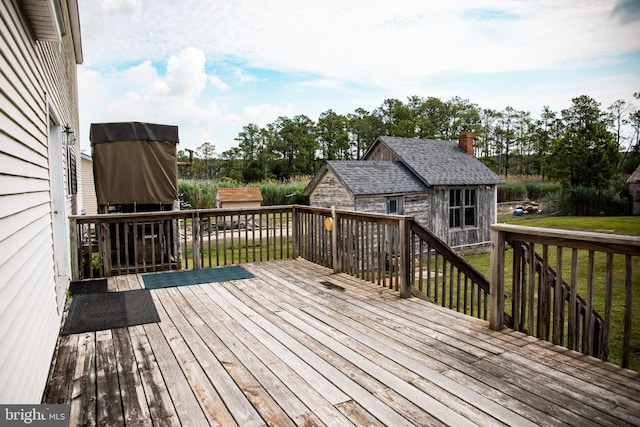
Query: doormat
[110,310]
[195,277]
[88,286]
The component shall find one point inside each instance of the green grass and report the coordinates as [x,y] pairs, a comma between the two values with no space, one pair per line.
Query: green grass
[626,225]
[615,225]
[219,254]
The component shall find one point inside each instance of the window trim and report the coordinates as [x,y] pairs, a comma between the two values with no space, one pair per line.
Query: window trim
[399,204]
[72,171]
[462,207]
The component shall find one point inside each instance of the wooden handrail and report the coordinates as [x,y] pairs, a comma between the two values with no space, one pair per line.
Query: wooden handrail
[390,250]
[546,298]
[465,290]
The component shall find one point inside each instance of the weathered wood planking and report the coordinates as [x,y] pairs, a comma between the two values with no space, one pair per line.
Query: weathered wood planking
[298,345]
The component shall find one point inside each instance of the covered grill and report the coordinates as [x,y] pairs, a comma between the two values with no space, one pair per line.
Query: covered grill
[135,170]
[135,166]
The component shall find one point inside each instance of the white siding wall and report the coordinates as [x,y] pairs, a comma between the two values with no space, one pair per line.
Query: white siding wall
[37,81]
[89,200]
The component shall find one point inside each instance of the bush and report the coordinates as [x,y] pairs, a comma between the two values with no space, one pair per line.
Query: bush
[197,194]
[274,193]
[511,191]
[537,190]
[202,194]
[520,190]
[589,201]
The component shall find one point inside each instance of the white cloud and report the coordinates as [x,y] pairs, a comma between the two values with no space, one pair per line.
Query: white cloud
[193,63]
[185,73]
[140,74]
[368,41]
[218,83]
[267,113]
[242,76]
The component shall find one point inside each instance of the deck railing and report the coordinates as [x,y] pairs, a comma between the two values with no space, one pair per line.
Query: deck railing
[394,252]
[572,288]
[389,250]
[113,244]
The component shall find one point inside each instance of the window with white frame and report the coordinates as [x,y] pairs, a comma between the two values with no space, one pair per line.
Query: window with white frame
[463,207]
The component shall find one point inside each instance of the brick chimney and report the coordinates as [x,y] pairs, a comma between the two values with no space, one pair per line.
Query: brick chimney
[465,141]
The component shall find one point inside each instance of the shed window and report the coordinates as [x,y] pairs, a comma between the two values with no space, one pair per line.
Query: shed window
[395,205]
[462,207]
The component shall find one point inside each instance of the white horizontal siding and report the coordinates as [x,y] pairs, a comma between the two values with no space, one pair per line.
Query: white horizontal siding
[89,199]
[19,184]
[38,334]
[15,146]
[35,77]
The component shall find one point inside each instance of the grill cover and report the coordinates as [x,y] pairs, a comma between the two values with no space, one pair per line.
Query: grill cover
[134,162]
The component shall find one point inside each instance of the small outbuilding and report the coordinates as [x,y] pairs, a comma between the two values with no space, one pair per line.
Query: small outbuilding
[440,183]
[235,198]
[633,185]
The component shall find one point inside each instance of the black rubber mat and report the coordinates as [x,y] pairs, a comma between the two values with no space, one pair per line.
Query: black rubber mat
[195,277]
[88,286]
[109,310]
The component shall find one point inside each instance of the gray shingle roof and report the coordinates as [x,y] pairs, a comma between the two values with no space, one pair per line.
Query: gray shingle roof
[376,177]
[440,162]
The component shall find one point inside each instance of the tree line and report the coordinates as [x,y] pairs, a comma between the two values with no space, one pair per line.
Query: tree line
[583,145]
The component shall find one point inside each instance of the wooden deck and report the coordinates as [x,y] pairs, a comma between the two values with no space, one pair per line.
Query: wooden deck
[298,345]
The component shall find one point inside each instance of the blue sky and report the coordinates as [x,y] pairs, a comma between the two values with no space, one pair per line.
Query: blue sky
[212,67]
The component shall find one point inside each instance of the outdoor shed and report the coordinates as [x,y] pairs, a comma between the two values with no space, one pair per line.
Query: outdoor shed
[135,166]
[235,198]
[440,183]
[633,185]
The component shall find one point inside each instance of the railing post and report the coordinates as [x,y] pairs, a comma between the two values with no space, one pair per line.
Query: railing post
[295,217]
[403,279]
[105,248]
[496,317]
[195,240]
[73,237]
[334,241]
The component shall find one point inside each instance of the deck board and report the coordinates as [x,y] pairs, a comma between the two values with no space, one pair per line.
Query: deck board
[298,345]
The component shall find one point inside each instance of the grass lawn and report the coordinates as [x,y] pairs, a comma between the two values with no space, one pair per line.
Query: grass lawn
[628,225]
[613,225]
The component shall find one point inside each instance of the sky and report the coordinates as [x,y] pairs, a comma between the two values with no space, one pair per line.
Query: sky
[212,67]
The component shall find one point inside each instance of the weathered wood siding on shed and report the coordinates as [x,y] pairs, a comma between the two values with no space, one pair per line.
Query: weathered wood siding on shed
[38,81]
[330,192]
[381,152]
[634,198]
[468,236]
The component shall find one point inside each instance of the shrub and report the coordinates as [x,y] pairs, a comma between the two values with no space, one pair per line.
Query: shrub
[202,194]
[536,190]
[511,191]
[197,194]
[589,201]
[517,190]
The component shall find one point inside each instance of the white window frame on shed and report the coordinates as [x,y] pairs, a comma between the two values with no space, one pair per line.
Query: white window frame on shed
[463,208]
